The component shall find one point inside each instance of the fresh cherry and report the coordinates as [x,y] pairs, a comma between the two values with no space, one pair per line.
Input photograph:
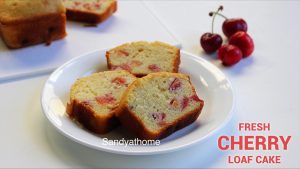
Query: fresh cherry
[229,55]
[211,42]
[243,41]
[231,26]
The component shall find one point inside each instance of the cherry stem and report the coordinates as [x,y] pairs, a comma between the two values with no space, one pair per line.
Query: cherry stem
[214,16]
[215,13]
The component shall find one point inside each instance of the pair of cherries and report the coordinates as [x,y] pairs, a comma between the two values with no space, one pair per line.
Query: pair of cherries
[240,44]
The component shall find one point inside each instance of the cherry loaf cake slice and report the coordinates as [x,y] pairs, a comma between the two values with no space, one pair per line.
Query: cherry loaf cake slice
[94,99]
[90,11]
[141,58]
[158,104]
[29,22]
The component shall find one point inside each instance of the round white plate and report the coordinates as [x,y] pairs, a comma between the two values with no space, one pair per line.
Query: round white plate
[210,83]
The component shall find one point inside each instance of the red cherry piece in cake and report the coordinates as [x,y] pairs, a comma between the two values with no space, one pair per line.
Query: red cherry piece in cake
[175,85]
[121,67]
[136,63]
[154,68]
[119,80]
[97,4]
[195,98]
[123,53]
[184,102]
[159,117]
[125,67]
[106,99]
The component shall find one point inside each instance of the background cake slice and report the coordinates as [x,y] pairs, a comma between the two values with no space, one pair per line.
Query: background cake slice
[90,11]
[94,99]
[29,22]
[142,58]
[158,104]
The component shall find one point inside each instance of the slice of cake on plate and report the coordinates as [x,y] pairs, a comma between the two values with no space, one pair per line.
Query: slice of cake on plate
[94,99]
[158,104]
[142,58]
[90,11]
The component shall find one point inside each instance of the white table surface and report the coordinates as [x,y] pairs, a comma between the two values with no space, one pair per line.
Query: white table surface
[266,87]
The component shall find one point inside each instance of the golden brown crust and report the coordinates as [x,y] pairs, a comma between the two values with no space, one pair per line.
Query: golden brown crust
[82,113]
[176,62]
[40,29]
[91,17]
[109,64]
[133,123]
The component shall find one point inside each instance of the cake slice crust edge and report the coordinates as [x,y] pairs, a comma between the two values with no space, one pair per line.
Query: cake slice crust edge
[87,117]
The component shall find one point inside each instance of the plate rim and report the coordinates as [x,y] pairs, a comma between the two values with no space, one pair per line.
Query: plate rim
[123,151]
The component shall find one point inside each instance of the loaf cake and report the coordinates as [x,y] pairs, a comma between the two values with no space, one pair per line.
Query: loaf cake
[158,104]
[29,22]
[142,58]
[94,99]
[90,11]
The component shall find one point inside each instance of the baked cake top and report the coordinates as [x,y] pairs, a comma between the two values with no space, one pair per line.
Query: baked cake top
[15,10]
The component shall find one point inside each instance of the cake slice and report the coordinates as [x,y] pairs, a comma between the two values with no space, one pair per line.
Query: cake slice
[29,22]
[158,104]
[142,58]
[90,11]
[94,99]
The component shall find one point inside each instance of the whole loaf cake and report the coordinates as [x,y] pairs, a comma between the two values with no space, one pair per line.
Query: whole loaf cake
[28,22]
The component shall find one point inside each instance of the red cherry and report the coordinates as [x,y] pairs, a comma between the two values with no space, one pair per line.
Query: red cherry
[243,41]
[231,26]
[229,55]
[211,42]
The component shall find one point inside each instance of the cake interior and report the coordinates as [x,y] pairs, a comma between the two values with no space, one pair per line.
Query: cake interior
[162,100]
[144,57]
[101,91]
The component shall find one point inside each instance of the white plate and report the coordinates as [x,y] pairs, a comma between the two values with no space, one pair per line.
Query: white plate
[210,83]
